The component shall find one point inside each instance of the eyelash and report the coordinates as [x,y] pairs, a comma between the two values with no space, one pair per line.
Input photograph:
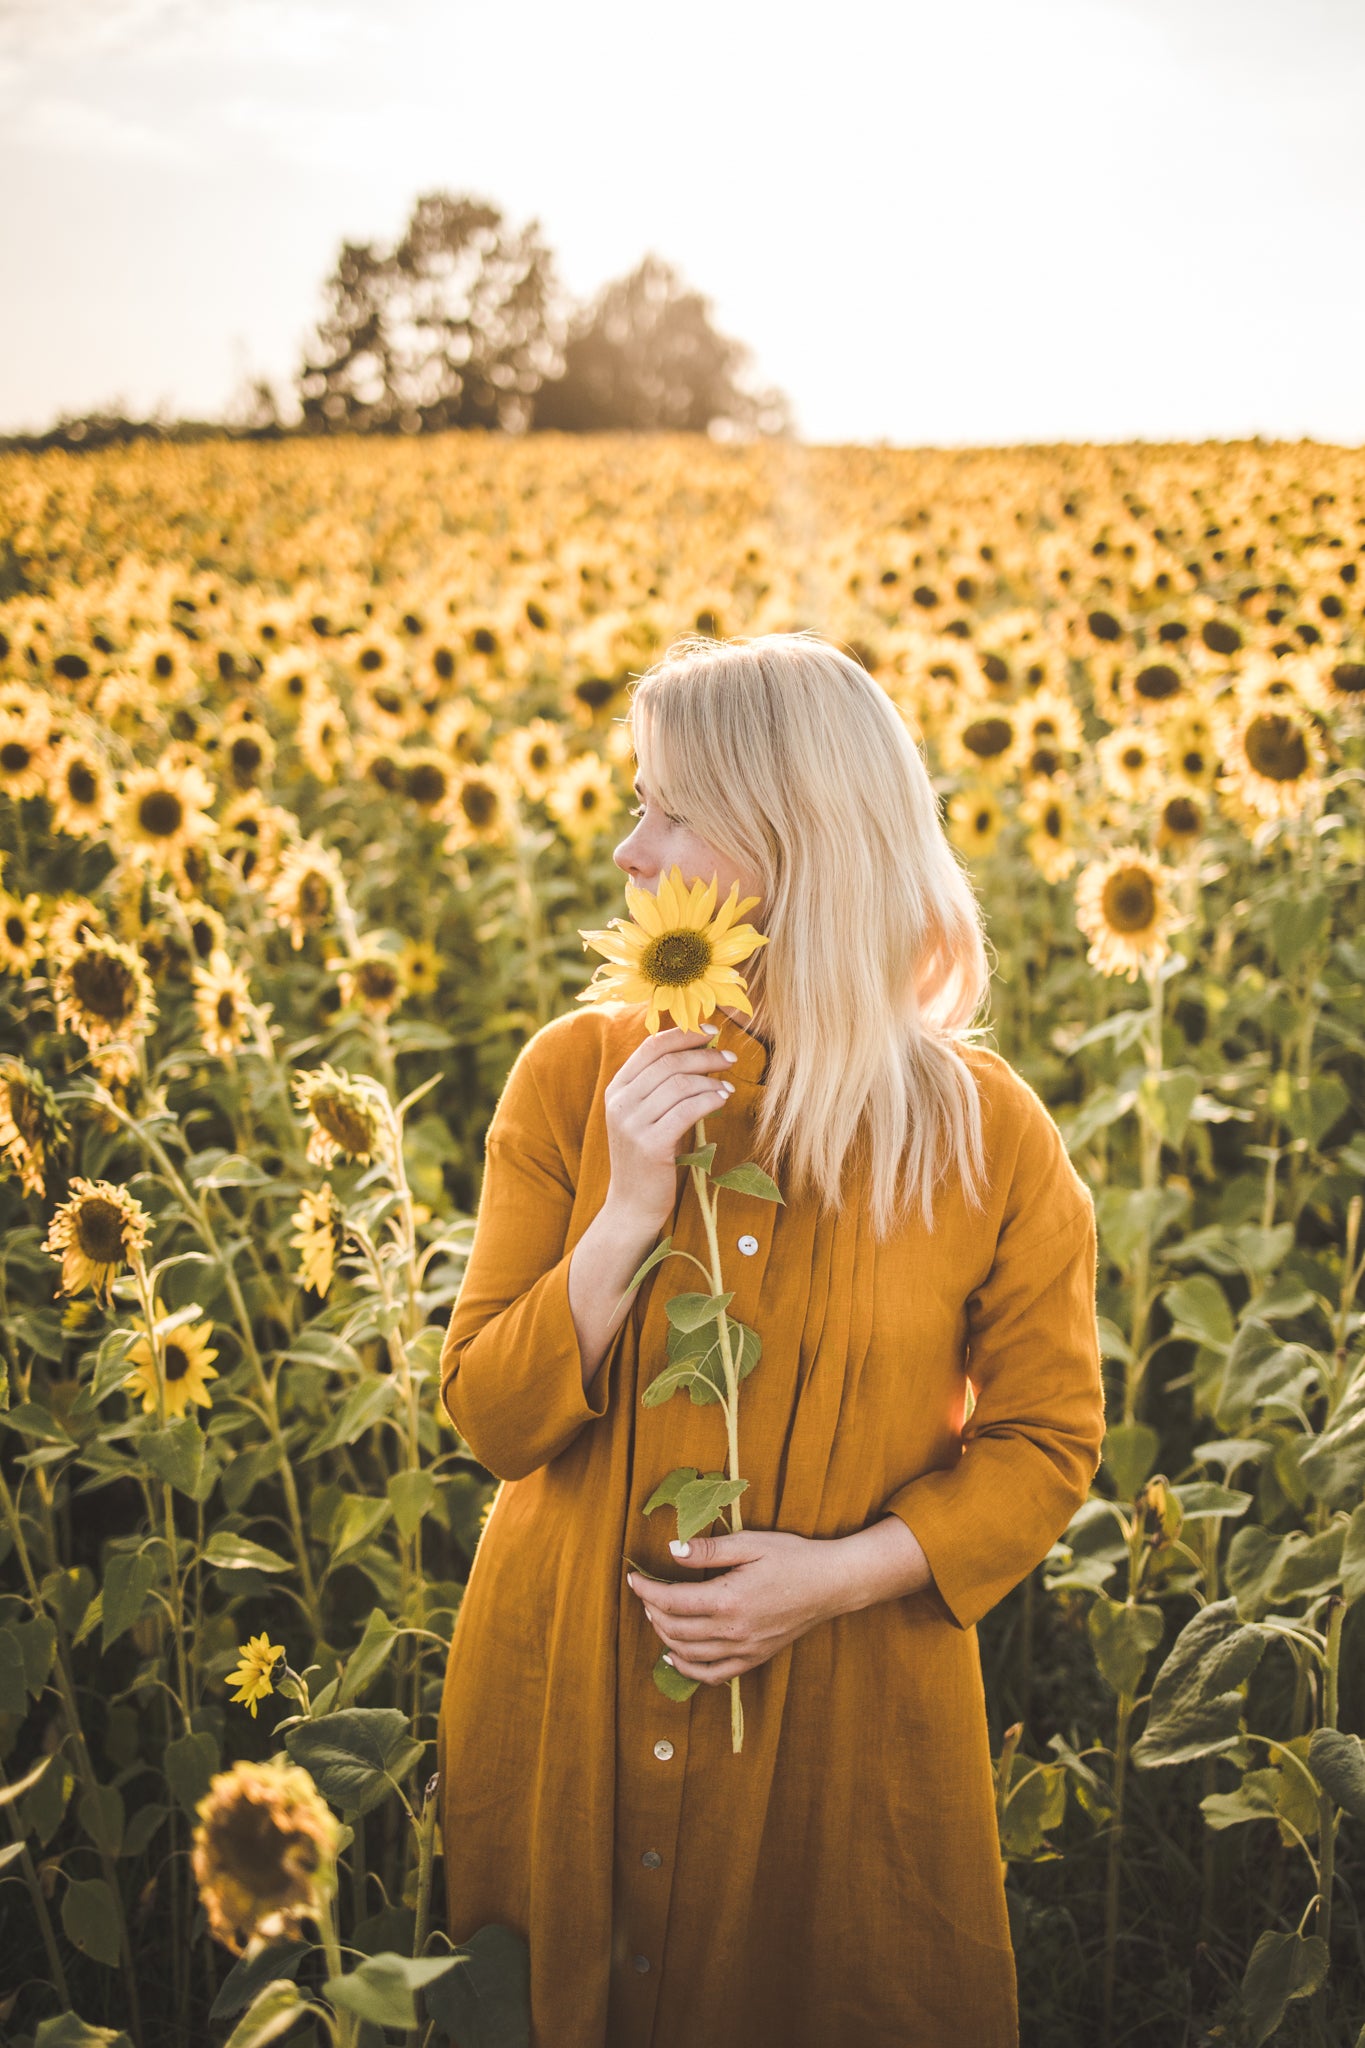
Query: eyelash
[639,812]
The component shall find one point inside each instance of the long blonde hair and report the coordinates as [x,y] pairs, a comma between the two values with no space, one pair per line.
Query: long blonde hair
[782,752]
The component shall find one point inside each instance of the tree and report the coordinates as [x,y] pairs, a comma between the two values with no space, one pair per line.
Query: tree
[645,356]
[450,328]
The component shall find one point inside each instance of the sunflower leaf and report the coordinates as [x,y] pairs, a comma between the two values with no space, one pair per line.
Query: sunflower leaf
[666,1492]
[749,1179]
[690,1311]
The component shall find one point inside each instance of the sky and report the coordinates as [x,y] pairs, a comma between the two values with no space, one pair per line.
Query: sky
[978,221]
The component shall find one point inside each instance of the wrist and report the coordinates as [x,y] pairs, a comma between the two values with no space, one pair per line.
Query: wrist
[884,1561]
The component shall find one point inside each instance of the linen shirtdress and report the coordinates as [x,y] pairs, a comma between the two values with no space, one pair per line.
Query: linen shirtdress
[838,1883]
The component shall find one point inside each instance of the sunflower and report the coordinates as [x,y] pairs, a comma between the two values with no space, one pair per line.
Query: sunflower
[1123,907]
[484,808]
[103,992]
[100,1228]
[428,779]
[163,812]
[205,926]
[370,979]
[319,1233]
[1346,683]
[535,753]
[1154,685]
[386,707]
[22,935]
[420,965]
[1132,762]
[291,679]
[248,751]
[675,956]
[975,821]
[163,661]
[304,892]
[983,739]
[1049,844]
[459,727]
[222,1003]
[1272,759]
[1190,750]
[185,1368]
[265,1852]
[25,757]
[324,738]
[1182,822]
[256,1661]
[30,1123]
[583,799]
[1051,733]
[344,1113]
[252,833]
[80,789]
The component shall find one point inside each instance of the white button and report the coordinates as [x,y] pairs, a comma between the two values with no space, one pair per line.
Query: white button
[663,1749]
[748,1245]
[641,1964]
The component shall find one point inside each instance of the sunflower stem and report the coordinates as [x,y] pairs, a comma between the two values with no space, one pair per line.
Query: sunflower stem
[707,1203]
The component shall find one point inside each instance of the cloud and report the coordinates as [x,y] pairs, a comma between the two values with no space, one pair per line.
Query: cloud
[75,128]
[150,34]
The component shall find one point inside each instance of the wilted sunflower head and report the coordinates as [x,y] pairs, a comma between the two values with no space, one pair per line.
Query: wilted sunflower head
[1123,907]
[319,1234]
[100,1228]
[30,1122]
[345,1112]
[265,1853]
[371,979]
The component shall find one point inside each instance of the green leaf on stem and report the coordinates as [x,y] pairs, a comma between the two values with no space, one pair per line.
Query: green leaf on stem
[383,1989]
[412,1495]
[666,1492]
[749,1179]
[271,2014]
[363,1407]
[90,1917]
[355,1756]
[486,2003]
[702,1157]
[1130,1452]
[69,2031]
[1337,1761]
[702,1499]
[671,1683]
[1198,1696]
[1283,1967]
[231,1553]
[1124,1637]
[690,1311]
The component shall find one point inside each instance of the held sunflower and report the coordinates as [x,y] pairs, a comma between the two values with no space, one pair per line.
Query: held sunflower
[674,953]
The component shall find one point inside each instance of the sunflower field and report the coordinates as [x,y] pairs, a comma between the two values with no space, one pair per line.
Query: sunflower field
[312,761]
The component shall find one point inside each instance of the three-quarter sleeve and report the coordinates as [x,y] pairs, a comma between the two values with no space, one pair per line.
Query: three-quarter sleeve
[511,1365]
[1032,1443]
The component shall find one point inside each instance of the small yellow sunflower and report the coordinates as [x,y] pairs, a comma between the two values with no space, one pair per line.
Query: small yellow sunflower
[676,956]
[583,799]
[22,933]
[80,789]
[976,818]
[265,1852]
[185,1367]
[483,808]
[535,753]
[257,1658]
[163,812]
[1272,759]
[303,895]
[324,737]
[25,757]
[1132,762]
[983,739]
[98,1229]
[420,965]
[319,1233]
[102,991]
[222,1003]
[1123,906]
[247,752]
[1182,822]
[1050,843]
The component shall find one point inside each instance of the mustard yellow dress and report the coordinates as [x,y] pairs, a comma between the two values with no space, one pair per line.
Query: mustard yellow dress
[837,1884]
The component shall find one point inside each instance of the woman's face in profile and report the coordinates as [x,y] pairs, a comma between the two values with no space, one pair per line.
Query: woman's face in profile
[660,842]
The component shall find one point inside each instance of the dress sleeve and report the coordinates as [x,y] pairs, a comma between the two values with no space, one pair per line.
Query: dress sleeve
[511,1366]
[1031,1445]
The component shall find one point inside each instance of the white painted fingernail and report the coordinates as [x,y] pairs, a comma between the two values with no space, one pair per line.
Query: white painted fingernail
[667,1659]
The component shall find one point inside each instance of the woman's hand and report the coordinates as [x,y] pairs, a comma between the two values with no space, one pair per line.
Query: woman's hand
[777,1587]
[670,1080]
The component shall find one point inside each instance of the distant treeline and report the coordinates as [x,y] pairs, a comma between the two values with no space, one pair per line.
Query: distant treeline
[463,323]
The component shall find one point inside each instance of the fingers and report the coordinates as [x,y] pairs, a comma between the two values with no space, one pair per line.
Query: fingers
[699,1601]
[719,1673]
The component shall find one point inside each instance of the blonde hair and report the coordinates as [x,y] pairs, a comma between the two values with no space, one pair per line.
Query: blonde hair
[783,753]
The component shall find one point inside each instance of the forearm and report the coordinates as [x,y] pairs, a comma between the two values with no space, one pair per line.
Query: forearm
[881,1562]
[610,1251]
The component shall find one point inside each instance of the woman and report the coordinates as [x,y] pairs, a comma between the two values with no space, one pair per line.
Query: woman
[836,1884]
